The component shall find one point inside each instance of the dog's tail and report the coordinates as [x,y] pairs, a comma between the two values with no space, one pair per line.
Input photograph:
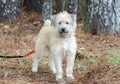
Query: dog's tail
[47,22]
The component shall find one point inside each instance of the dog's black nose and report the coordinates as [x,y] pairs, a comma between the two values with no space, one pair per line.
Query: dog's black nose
[63,29]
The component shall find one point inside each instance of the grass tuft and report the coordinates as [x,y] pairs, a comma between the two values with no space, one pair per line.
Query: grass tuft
[115,60]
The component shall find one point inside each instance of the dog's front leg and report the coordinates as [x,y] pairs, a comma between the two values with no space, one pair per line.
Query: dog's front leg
[58,64]
[52,64]
[70,64]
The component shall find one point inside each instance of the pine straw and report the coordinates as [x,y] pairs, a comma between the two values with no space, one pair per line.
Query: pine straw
[18,39]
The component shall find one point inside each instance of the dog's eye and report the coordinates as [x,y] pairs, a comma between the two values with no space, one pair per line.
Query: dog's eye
[59,23]
[67,22]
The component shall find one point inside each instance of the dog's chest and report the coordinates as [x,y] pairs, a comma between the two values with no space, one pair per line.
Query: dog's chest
[64,48]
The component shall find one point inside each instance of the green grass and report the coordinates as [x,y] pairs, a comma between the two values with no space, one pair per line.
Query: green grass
[116,59]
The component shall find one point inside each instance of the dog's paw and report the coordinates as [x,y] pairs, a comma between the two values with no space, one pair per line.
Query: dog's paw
[51,66]
[53,70]
[34,69]
[61,81]
[69,80]
[70,76]
[59,76]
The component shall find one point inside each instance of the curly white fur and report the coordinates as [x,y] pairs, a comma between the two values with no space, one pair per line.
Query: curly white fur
[60,43]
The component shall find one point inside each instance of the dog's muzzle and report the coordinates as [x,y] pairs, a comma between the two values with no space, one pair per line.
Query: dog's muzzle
[63,32]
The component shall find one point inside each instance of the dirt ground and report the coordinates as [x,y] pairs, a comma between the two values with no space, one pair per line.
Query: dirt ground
[93,65]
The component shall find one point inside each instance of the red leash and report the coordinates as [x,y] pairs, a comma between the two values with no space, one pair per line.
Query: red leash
[28,54]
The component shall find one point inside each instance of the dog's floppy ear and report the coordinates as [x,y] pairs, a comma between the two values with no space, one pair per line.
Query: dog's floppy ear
[74,19]
[53,20]
[73,16]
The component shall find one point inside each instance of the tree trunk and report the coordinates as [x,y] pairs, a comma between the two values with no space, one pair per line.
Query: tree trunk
[9,10]
[103,16]
[47,9]
[33,5]
[60,5]
[72,6]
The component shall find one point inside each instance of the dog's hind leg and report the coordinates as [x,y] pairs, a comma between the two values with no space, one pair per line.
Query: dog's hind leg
[39,53]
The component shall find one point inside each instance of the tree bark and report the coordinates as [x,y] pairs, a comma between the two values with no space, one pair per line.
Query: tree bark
[103,16]
[47,9]
[9,10]
[60,4]
[72,6]
[33,5]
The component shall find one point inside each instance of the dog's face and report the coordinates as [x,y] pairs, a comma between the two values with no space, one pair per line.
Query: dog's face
[64,24]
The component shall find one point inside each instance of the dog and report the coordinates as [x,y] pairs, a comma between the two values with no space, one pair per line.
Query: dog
[58,37]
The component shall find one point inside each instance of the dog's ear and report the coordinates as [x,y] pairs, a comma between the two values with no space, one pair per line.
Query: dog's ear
[74,19]
[73,16]
[53,20]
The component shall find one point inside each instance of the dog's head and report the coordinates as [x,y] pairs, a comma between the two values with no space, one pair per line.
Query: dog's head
[64,24]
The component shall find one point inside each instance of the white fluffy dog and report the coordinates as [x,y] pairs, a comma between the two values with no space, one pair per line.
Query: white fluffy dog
[59,39]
